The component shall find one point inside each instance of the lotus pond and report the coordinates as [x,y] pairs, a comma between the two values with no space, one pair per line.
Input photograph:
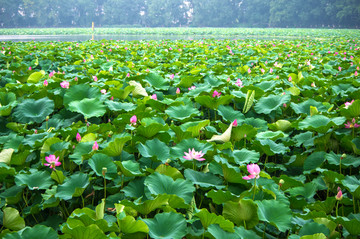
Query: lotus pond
[180,139]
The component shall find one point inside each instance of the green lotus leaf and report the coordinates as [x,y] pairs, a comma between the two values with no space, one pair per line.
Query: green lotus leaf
[80,92]
[336,159]
[169,171]
[81,152]
[86,232]
[73,186]
[243,131]
[154,148]
[320,123]
[31,110]
[271,135]
[249,100]
[138,90]
[129,168]
[151,130]
[88,107]
[147,206]
[118,106]
[100,161]
[231,174]
[276,213]
[217,232]
[307,191]
[245,156]
[219,196]
[175,225]
[314,161]
[282,125]
[352,111]
[157,81]
[306,139]
[35,180]
[205,180]
[135,188]
[313,228]
[6,170]
[195,127]
[223,138]
[12,219]
[326,206]
[243,212]
[7,102]
[304,107]
[353,185]
[229,114]
[115,147]
[208,219]
[182,112]
[269,147]
[352,225]
[266,105]
[13,194]
[258,123]
[38,231]
[266,85]
[35,77]
[128,225]
[122,93]
[162,184]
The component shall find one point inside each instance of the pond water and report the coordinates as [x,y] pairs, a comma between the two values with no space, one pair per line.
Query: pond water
[130,37]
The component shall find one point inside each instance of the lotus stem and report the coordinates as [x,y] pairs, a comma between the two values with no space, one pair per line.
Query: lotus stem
[254,190]
[336,209]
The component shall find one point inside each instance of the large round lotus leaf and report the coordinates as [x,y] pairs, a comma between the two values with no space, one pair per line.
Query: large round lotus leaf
[269,147]
[157,81]
[276,213]
[31,110]
[172,172]
[88,107]
[313,228]
[182,112]
[245,156]
[154,148]
[38,232]
[100,161]
[219,197]
[240,233]
[12,219]
[35,77]
[152,129]
[118,106]
[129,168]
[135,188]
[208,218]
[229,114]
[205,180]
[320,123]
[115,147]
[79,92]
[167,225]
[35,180]
[129,225]
[304,107]
[147,206]
[266,105]
[162,184]
[242,213]
[271,135]
[73,186]
[85,232]
[352,111]
[7,101]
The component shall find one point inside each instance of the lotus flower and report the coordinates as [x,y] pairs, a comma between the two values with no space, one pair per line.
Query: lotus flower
[352,124]
[65,84]
[177,91]
[194,155]
[239,83]
[78,137]
[133,120]
[46,83]
[356,73]
[235,123]
[51,74]
[95,146]
[103,91]
[172,76]
[347,104]
[339,195]
[95,78]
[290,78]
[216,94]
[249,71]
[254,171]
[262,70]
[154,97]
[52,161]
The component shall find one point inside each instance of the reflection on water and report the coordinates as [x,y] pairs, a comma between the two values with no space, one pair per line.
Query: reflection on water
[129,37]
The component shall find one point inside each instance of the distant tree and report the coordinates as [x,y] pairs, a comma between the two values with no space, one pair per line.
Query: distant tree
[122,12]
[255,13]
[10,13]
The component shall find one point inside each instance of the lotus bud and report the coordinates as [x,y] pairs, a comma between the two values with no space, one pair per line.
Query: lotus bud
[104,170]
[281,182]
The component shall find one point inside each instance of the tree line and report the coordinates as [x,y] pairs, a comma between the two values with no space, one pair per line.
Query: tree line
[180,13]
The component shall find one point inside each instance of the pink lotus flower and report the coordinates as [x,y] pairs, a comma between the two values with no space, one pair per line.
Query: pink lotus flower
[128,75]
[133,120]
[103,91]
[154,97]
[352,124]
[290,78]
[216,94]
[172,76]
[194,155]
[95,146]
[313,84]
[339,195]
[52,161]
[46,83]
[347,104]
[51,74]
[356,73]
[254,171]
[192,87]
[30,68]
[339,68]
[177,91]
[239,83]
[78,137]
[249,71]
[235,123]
[95,78]
[65,84]
[271,70]
[76,79]
[262,70]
